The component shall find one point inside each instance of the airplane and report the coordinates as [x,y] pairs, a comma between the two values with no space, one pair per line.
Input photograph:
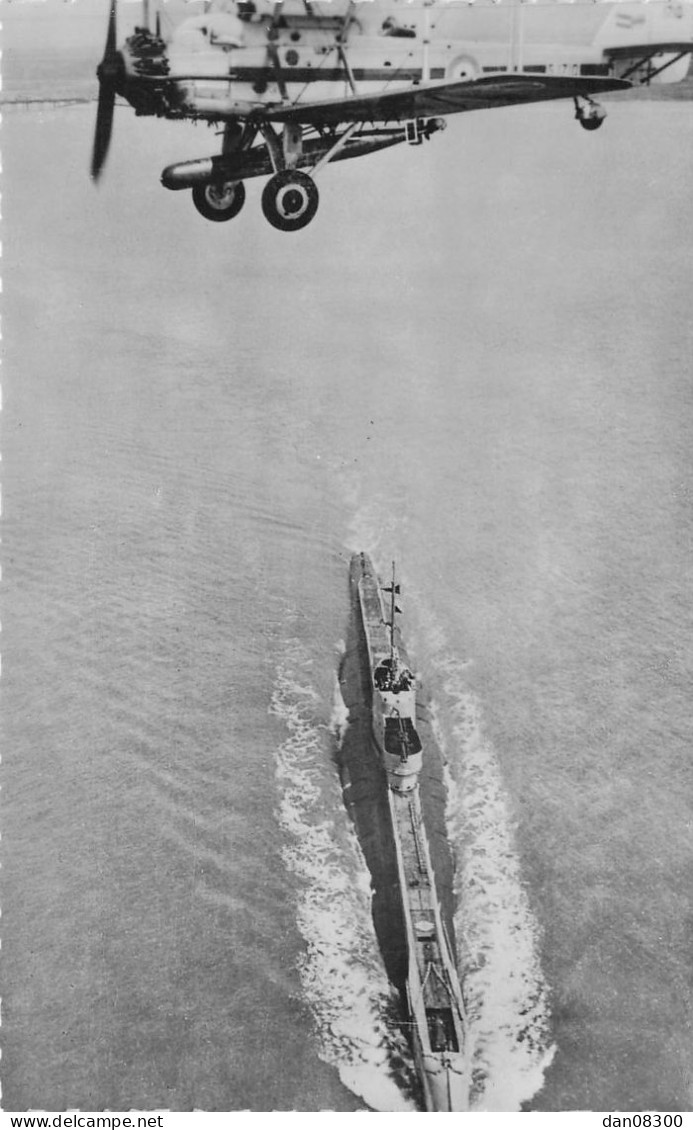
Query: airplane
[295,85]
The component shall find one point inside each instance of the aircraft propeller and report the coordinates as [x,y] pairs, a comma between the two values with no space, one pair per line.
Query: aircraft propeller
[109,73]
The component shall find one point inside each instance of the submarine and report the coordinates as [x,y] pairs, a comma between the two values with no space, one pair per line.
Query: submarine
[431,992]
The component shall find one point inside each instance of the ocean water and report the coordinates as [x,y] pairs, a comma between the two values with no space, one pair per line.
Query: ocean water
[476,360]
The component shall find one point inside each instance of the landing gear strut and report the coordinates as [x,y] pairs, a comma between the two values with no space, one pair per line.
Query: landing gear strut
[589,114]
[290,200]
[219,202]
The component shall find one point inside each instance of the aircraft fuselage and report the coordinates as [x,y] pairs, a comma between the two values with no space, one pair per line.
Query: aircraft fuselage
[337,50]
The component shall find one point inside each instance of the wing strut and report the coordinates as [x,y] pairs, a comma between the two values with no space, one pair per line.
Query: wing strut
[272,49]
[341,40]
[331,153]
[347,69]
[646,60]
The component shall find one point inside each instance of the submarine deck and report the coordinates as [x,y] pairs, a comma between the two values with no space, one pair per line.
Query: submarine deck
[430,941]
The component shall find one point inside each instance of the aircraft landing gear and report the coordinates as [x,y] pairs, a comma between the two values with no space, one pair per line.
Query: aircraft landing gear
[219,202]
[290,200]
[589,114]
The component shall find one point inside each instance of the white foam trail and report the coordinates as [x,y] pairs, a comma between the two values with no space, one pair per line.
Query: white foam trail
[341,972]
[498,937]
[339,719]
[504,989]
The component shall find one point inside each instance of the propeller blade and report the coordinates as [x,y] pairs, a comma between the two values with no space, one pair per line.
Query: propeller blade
[108,73]
[111,33]
[104,128]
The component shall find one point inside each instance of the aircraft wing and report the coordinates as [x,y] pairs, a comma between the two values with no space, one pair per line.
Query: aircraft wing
[444,98]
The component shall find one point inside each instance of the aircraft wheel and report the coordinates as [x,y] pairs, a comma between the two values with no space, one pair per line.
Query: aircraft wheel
[590,116]
[290,200]
[219,202]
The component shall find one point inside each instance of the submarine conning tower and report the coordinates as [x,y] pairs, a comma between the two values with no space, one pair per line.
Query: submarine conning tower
[393,684]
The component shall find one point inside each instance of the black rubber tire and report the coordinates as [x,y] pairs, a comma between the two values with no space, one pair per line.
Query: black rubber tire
[290,200]
[219,202]
[591,123]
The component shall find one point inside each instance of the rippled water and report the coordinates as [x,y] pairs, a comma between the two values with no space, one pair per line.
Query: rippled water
[475,360]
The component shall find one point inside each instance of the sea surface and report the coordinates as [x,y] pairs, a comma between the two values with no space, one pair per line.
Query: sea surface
[477,361]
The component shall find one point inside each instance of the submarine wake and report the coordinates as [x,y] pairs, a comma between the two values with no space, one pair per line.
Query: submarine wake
[342,977]
[498,936]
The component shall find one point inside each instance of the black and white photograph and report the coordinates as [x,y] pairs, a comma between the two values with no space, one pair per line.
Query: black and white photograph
[347,558]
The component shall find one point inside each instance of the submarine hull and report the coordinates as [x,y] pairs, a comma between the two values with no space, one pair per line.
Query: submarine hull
[427,976]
